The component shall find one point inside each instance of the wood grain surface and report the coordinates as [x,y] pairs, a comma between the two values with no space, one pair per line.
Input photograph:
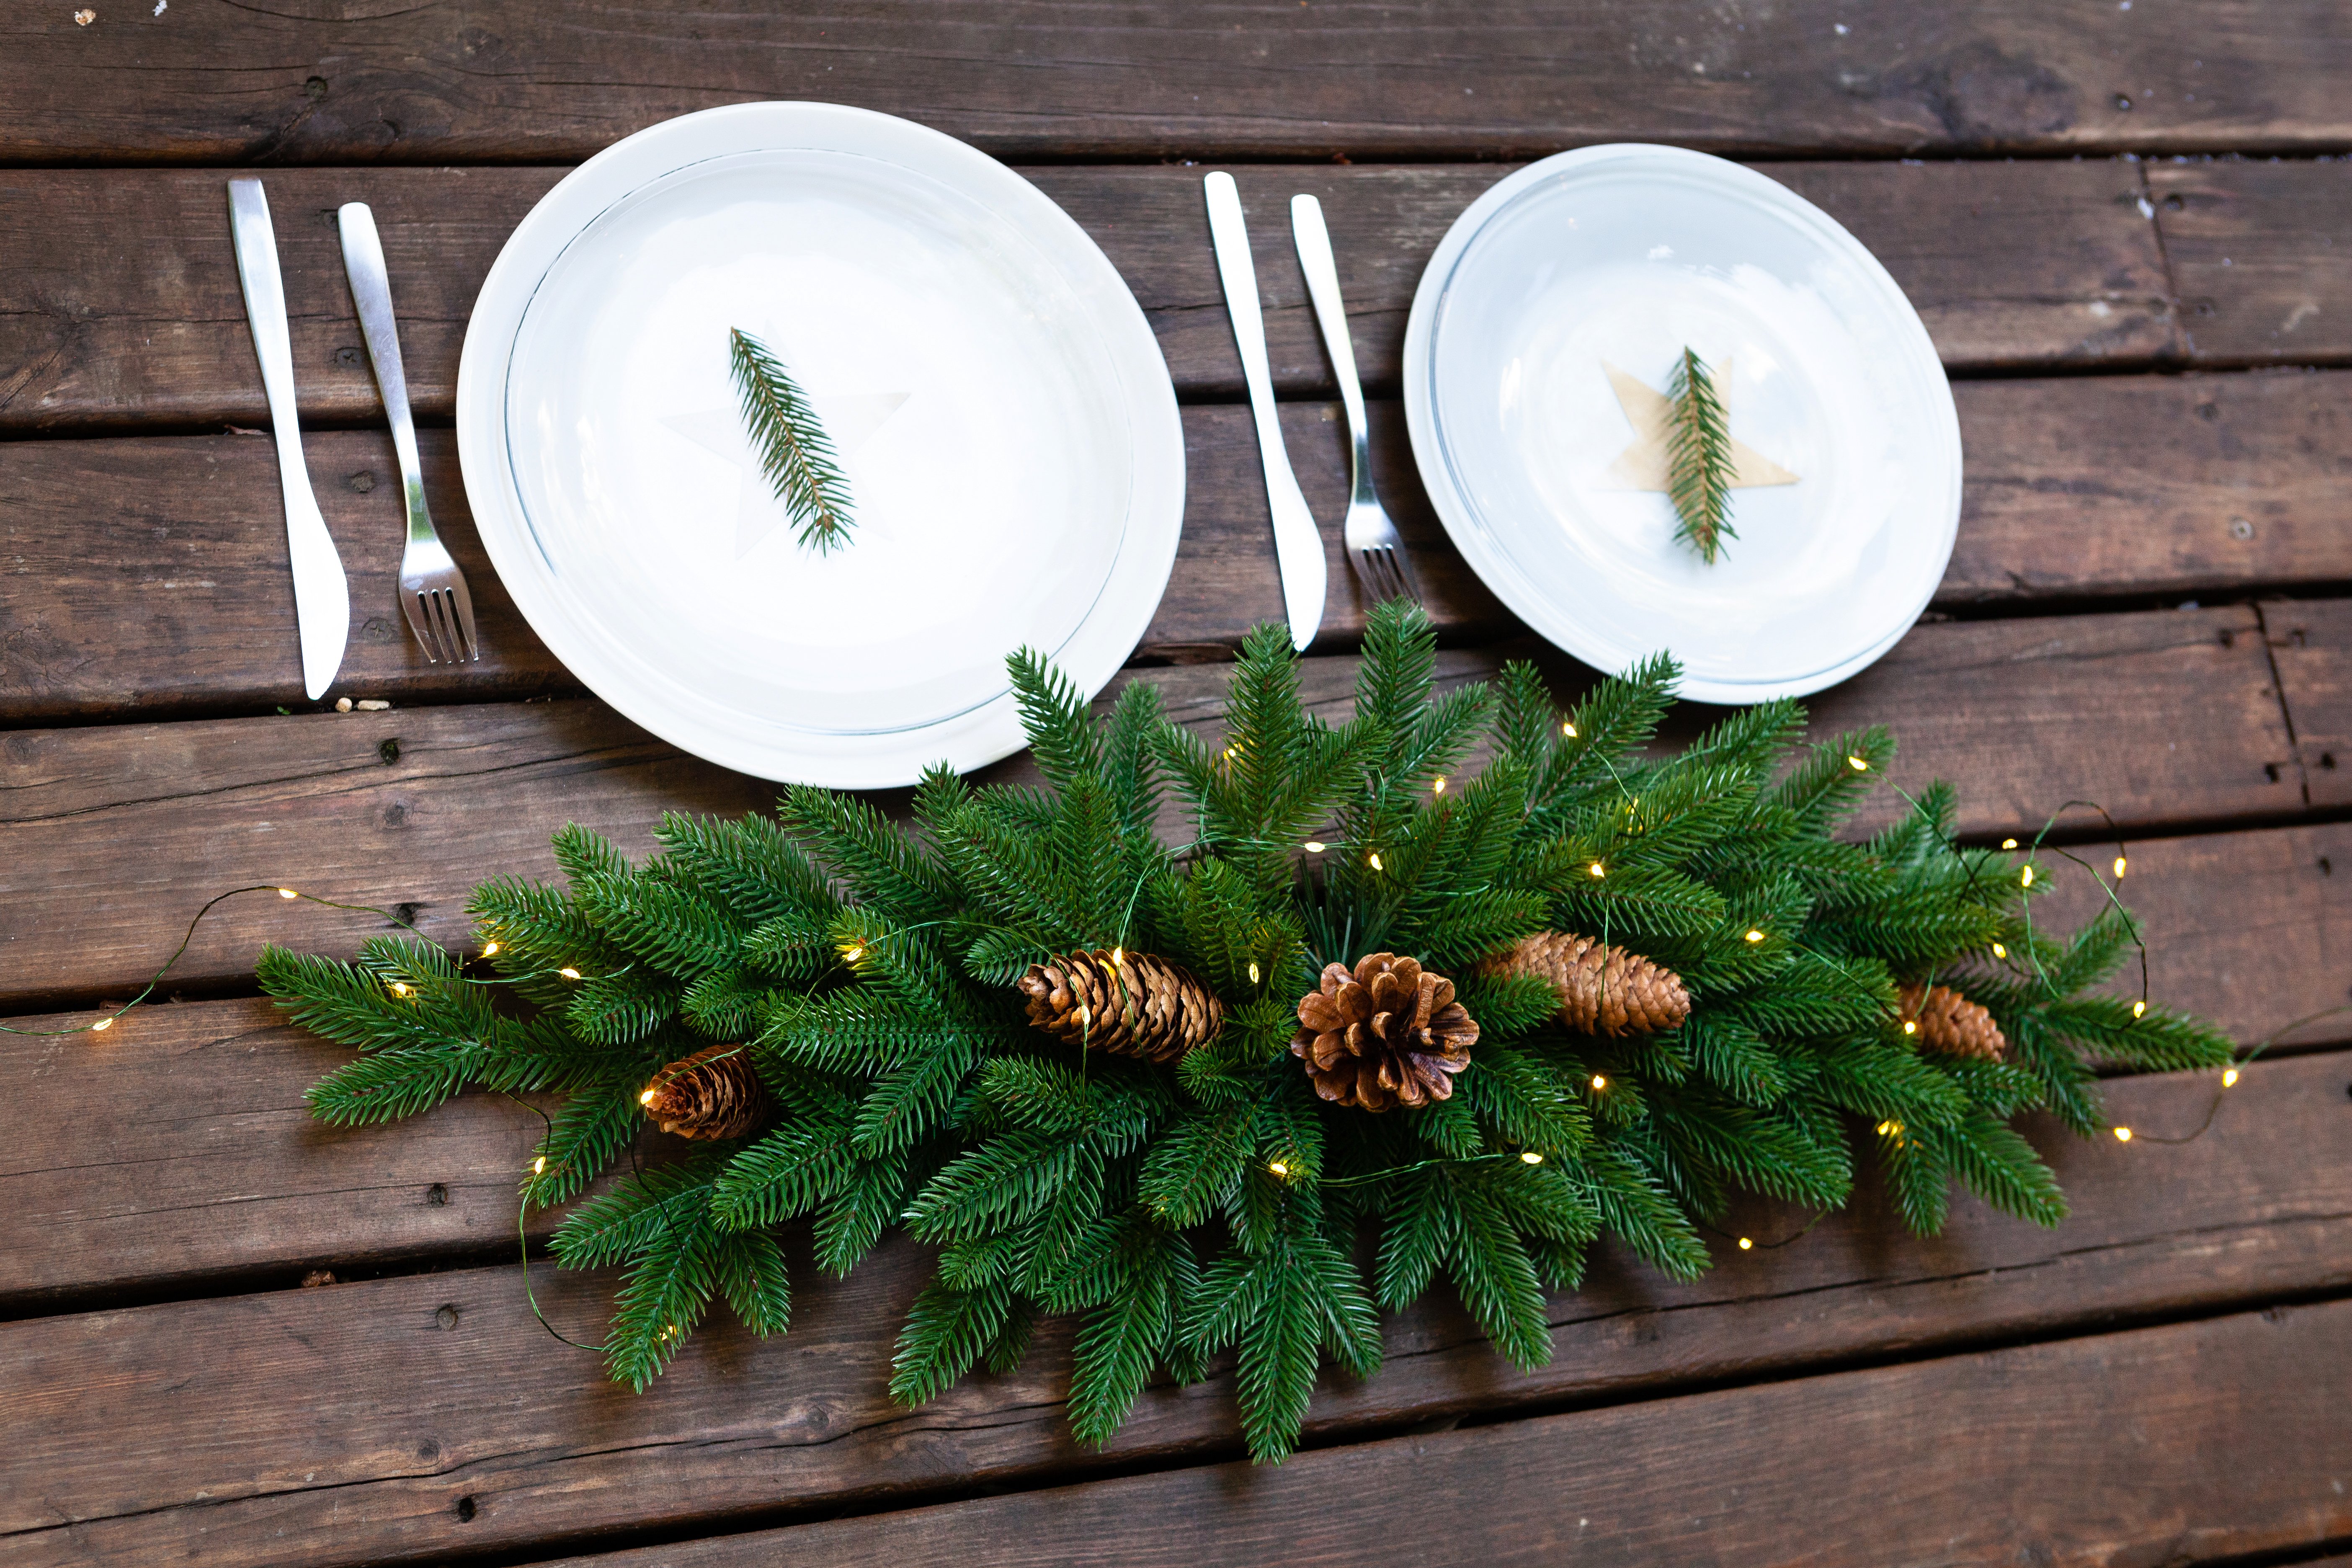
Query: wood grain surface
[175,1156]
[2180,1444]
[505,81]
[109,834]
[118,301]
[2311,644]
[148,574]
[357,1422]
[2257,253]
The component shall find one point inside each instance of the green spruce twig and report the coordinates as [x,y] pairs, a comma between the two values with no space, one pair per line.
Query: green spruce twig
[1698,459]
[795,451]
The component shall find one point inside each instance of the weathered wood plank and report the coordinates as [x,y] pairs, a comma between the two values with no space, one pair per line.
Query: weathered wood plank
[505,81]
[193,1161]
[148,574]
[2311,644]
[419,1417]
[106,832]
[2257,254]
[2188,1444]
[212,1169]
[2152,485]
[93,329]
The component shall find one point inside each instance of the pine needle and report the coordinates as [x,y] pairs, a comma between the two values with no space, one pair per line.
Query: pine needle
[1698,459]
[795,451]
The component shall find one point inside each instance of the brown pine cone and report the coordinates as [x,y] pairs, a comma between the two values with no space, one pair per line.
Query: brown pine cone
[1603,989]
[1389,1033]
[1132,1003]
[1950,1023]
[714,1093]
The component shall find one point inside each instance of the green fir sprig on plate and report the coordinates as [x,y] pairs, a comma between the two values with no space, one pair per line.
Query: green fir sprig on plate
[795,454]
[1699,464]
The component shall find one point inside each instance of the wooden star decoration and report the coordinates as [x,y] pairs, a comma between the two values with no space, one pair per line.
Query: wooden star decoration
[1643,465]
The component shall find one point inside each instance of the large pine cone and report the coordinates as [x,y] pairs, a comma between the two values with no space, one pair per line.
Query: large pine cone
[1390,1033]
[714,1093]
[1133,1004]
[1603,989]
[1950,1023]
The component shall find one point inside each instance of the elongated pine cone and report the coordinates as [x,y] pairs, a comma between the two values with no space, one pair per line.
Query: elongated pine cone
[1603,989]
[1950,1023]
[1388,1033]
[1132,1003]
[714,1093]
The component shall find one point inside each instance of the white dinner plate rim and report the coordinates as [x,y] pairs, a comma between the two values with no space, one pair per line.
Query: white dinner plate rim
[1139,575]
[1496,566]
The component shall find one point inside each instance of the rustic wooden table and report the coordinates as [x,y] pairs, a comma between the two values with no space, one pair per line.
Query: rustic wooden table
[2121,226]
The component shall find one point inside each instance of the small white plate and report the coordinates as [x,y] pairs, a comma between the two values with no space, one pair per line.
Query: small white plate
[1553,312]
[999,405]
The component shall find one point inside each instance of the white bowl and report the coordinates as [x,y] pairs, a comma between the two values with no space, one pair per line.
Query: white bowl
[1000,407]
[1617,258]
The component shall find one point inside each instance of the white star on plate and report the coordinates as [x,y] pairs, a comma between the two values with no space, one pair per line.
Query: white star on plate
[1642,465]
[849,420]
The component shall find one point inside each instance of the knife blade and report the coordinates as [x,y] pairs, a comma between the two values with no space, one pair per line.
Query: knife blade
[1297,543]
[322,595]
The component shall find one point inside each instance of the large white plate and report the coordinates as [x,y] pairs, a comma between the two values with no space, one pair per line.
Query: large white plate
[1618,256]
[1001,407]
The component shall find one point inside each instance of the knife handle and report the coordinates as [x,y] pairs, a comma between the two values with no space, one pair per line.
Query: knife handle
[265,309]
[370,283]
[1298,543]
[322,601]
[1237,270]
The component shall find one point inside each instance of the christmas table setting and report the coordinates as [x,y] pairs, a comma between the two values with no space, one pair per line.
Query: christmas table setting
[880,864]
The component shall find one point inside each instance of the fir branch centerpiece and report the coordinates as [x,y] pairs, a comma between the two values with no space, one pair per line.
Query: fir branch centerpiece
[1371,1022]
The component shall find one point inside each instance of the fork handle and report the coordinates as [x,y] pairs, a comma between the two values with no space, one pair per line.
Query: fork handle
[1314,242]
[372,292]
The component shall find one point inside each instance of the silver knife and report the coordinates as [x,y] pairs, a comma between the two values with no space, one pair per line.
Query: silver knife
[323,596]
[1297,544]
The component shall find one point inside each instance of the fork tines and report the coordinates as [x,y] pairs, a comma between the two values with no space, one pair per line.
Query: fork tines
[442,617]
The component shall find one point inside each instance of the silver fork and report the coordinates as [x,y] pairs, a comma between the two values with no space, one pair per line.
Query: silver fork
[1375,548]
[432,590]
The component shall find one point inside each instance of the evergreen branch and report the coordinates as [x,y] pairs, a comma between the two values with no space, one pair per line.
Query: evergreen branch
[1699,457]
[795,454]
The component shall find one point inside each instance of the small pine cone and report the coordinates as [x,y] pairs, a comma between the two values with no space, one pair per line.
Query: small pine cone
[1388,1033]
[1603,989]
[1950,1023]
[1132,1003]
[714,1093]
